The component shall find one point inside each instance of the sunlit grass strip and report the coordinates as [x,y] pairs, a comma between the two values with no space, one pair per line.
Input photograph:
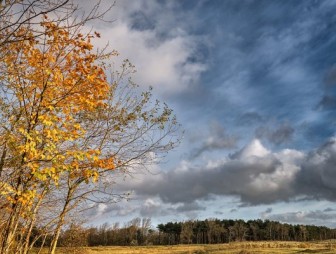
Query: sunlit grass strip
[324,247]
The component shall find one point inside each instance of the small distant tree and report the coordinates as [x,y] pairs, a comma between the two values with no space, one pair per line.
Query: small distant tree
[74,236]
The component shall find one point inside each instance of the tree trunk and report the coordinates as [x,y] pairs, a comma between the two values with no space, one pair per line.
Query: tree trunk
[60,223]
[3,157]
[10,230]
[58,228]
[32,223]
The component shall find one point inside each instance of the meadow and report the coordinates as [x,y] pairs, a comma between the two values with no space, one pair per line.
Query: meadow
[326,247]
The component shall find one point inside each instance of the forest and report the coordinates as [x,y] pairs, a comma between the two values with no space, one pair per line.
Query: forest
[210,231]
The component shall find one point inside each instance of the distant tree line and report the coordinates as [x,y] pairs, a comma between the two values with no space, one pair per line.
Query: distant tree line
[211,231]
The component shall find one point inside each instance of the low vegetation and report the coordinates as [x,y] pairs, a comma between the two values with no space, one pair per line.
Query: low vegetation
[273,247]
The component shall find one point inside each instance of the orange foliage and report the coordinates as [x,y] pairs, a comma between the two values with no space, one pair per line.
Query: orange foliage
[52,82]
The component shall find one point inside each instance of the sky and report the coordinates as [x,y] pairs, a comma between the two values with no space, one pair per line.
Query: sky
[253,83]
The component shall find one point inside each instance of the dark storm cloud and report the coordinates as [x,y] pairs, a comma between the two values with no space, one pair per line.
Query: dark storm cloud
[254,174]
[195,184]
[279,135]
[231,178]
[317,177]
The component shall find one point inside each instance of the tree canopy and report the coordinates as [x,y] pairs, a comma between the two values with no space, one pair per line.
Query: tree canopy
[68,123]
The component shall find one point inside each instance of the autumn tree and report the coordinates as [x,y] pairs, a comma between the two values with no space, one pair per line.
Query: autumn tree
[74,236]
[187,232]
[215,231]
[238,231]
[69,125]
[15,14]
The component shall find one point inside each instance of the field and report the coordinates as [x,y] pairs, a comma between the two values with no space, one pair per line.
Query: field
[325,247]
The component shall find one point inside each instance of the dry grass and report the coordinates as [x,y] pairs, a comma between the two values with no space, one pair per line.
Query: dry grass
[326,247]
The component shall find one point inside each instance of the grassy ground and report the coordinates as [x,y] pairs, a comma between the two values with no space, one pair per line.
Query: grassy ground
[326,247]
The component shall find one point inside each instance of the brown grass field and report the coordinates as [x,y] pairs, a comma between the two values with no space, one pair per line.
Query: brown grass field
[326,247]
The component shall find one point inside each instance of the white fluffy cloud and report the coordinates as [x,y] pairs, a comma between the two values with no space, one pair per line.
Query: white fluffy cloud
[254,173]
[161,56]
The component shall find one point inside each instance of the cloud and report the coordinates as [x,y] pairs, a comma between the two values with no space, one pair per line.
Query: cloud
[316,217]
[254,174]
[120,210]
[327,102]
[330,78]
[278,135]
[328,98]
[187,207]
[166,59]
[250,118]
[146,207]
[152,208]
[255,149]
[216,139]
[149,207]
[261,67]
[266,213]
[103,210]
[317,177]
